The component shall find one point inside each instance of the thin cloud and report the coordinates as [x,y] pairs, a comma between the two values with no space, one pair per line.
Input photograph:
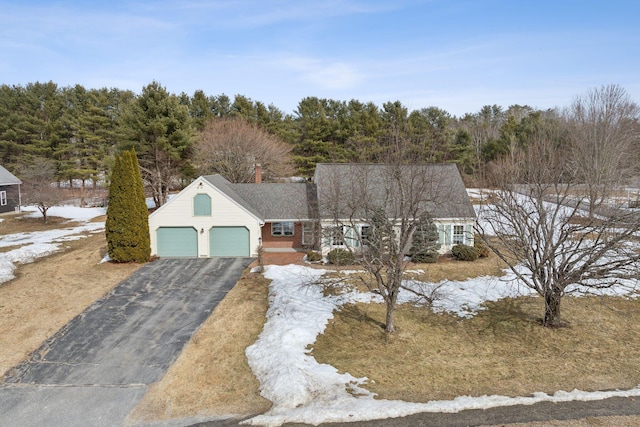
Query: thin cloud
[258,13]
[325,73]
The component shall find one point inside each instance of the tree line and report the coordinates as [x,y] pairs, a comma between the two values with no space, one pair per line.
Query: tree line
[79,131]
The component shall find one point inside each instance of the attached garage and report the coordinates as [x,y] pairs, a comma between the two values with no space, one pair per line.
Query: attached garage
[229,241]
[211,217]
[177,242]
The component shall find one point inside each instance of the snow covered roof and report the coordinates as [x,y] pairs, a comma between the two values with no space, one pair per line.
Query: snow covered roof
[7,178]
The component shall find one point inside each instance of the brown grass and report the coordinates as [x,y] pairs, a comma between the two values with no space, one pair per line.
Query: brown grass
[211,376]
[51,291]
[449,268]
[19,223]
[503,350]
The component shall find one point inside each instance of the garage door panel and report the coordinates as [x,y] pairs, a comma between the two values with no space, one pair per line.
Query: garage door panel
[229,241]
[177,242]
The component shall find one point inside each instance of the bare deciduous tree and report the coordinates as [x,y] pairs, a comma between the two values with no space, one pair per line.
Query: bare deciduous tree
[232,147]
[374,210]
[604,129]
[544,236]
[39,187]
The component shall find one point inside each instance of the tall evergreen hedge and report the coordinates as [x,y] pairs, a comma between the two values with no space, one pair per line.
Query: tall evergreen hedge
[127,226]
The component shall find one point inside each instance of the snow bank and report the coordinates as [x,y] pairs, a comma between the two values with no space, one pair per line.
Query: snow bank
[364,409]
[297,313]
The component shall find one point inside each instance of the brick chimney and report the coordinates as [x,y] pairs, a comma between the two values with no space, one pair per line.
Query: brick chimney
[258,173]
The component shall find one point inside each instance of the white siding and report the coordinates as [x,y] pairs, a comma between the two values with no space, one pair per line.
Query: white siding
[178,212]
[445,233]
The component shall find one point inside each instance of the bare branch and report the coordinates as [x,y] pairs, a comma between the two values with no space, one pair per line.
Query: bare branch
[232,147]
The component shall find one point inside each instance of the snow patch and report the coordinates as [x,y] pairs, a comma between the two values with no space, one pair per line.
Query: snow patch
[69,212]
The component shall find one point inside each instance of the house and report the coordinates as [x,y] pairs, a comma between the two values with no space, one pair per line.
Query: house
[10,196]
[214,217]
[344,189]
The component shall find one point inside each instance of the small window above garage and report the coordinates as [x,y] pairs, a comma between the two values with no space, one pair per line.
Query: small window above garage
[202,205]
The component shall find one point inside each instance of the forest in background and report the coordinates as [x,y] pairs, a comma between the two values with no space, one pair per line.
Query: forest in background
[75,132]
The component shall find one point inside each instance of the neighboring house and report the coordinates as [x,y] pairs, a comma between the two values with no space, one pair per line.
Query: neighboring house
[10,196]
[214,217]
[436,188]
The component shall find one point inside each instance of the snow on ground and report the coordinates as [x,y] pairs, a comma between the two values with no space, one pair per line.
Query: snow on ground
[465,298]
[70,212]
[37,244]
[305,391]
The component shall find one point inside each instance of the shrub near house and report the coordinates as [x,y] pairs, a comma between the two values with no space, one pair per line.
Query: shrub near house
[127,227]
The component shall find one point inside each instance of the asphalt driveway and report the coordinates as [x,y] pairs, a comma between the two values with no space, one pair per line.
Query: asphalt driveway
[95,369]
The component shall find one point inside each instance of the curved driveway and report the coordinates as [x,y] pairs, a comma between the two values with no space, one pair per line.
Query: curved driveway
[95,369]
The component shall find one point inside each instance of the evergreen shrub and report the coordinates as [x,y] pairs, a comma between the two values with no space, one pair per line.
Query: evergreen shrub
[127,224]
[425,245]
[313,256]
[464,252]
[341,257]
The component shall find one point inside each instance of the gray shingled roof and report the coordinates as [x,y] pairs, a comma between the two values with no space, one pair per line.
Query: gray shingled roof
[269,201]
[293,201]
[7,178]
[343,188]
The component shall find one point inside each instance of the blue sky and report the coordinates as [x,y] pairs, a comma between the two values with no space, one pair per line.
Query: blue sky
[454,54]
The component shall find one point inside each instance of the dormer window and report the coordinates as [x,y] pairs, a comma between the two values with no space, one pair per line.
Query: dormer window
[202,205]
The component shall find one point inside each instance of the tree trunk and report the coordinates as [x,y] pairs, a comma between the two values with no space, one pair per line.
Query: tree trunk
[392,300]
[390,326]
[552,310]
[43,211]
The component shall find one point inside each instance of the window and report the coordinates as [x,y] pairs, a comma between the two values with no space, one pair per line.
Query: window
[3,198]
[364,234]
[282,228]
[458,234]
[308,235]
[337,236]
[202,205]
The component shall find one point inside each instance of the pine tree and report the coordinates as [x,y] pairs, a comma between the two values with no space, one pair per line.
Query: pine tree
[127,226]
[425,244]
[381,238]
[159,127]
